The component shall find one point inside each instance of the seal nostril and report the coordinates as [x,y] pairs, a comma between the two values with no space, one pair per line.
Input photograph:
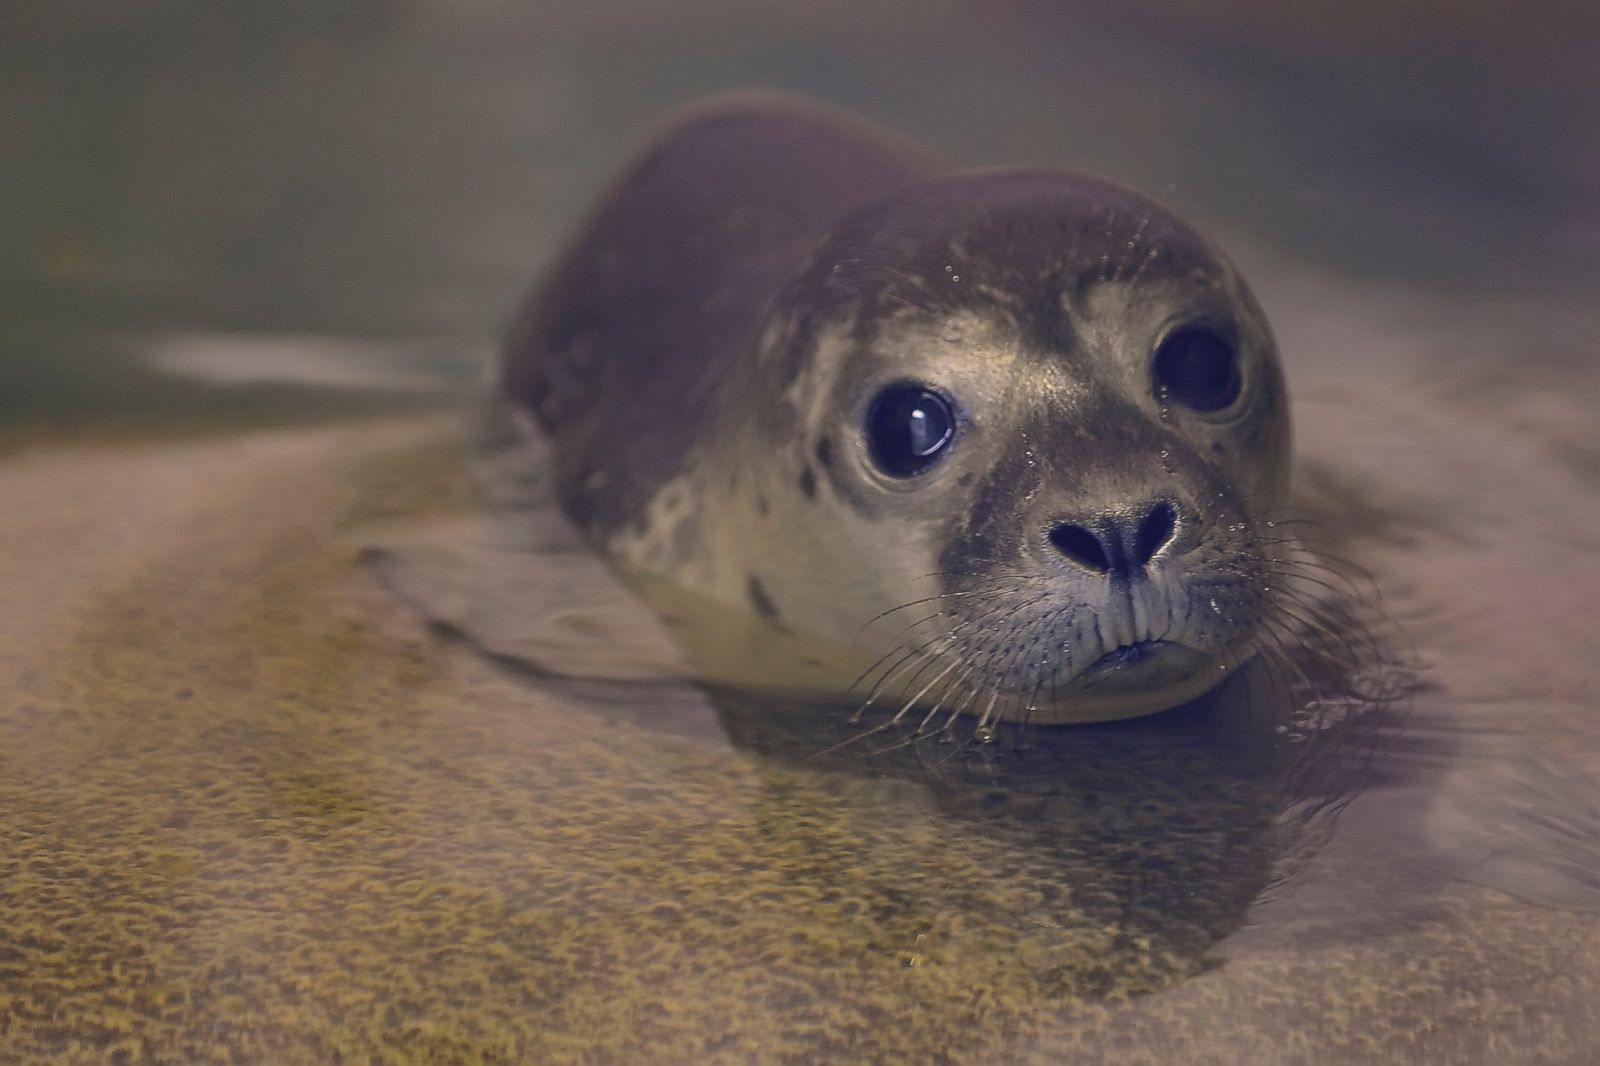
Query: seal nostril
[1115,546]
[1154,531]
[1081,546]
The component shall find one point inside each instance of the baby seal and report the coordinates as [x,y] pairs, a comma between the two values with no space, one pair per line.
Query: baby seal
[1001,442]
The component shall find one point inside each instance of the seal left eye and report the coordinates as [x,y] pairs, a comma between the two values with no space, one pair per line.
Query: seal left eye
[908,428]
[1198,368]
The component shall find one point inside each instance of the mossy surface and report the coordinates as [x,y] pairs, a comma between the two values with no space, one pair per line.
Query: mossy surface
[251,811]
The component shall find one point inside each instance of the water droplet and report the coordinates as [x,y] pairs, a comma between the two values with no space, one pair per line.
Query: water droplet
[984,734]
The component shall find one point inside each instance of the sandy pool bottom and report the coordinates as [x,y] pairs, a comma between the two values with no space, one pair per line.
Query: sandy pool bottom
[250,810]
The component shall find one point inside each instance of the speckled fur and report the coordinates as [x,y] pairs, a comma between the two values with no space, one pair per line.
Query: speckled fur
[705,373]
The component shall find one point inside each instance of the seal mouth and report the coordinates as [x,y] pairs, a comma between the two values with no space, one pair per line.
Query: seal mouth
[1141,663]
[1129,654]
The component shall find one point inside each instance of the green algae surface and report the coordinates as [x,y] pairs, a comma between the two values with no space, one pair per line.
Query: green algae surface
[253,811]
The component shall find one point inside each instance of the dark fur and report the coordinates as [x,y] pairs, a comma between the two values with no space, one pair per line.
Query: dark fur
[621,351]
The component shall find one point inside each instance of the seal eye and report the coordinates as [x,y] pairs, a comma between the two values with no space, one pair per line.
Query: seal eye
[1198,369]
[908,428]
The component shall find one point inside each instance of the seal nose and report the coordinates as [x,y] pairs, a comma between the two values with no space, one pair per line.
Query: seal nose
[1120,546]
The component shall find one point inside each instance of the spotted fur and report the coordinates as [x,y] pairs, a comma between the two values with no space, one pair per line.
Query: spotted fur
[704,356]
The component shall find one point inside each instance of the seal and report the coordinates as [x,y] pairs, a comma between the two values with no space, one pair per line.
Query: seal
[1003,443]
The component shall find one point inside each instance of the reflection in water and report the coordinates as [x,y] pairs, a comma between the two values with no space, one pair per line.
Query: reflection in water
[1119,854]
[1092,861]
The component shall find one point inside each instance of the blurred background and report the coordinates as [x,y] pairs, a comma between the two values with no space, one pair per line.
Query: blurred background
[383,170]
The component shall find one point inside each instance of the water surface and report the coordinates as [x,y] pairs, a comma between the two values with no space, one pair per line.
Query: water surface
[253,807]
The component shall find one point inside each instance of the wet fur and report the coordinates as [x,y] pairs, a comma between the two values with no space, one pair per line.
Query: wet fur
[702,354]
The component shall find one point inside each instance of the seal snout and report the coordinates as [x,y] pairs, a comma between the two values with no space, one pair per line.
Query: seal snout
[1120,546]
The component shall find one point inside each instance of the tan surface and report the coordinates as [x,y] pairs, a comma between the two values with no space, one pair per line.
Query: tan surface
[252,812]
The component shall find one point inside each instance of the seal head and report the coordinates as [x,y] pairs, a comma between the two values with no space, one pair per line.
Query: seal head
[1012,439]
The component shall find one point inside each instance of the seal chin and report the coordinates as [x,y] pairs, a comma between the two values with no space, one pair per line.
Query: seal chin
[1132,679]
[1141,665]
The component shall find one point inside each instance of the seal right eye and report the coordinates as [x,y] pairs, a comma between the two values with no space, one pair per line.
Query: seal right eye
[908,428]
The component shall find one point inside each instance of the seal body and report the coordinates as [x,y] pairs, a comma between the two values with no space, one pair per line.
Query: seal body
[1007,442]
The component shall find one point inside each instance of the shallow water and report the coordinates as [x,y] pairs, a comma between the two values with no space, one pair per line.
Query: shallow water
[253,806]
